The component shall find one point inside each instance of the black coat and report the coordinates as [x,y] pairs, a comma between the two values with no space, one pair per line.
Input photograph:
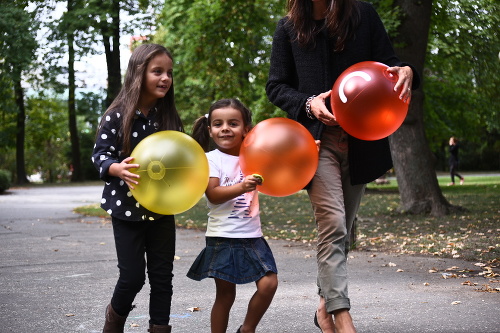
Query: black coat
[297,73]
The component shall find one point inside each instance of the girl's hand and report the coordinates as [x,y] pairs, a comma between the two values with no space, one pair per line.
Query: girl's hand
[250,183]
[320,111]
[405,78]
[121,170]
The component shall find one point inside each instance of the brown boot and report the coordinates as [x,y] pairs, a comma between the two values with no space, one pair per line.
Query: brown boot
[159,328]
[114,322]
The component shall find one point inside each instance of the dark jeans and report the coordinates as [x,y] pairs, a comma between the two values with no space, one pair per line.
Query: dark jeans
[141,245]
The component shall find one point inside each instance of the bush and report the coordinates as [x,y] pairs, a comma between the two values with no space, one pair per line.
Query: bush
[5,177]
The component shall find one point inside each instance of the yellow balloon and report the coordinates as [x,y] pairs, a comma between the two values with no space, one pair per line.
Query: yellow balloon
[174,172]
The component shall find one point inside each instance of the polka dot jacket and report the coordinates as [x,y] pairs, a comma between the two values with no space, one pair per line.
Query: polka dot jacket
[117,199]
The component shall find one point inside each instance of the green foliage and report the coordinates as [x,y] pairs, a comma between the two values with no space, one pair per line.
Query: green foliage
[17,40]
[221,49]
[8,112]
[462,74]
[389,14]
[47,138]
[5,180]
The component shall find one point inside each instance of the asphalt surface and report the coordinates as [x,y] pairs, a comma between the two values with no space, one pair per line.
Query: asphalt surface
[58,270]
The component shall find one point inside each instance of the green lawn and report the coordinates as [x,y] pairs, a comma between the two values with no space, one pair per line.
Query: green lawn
[471,235]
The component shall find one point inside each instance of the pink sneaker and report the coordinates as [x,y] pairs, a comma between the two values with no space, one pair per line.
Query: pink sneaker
[451,184]
[462,181]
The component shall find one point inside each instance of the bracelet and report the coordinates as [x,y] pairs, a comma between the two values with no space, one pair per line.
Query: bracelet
[308,107]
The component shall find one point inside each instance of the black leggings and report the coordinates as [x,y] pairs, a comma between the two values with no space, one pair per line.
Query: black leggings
[141,245]
[453,172]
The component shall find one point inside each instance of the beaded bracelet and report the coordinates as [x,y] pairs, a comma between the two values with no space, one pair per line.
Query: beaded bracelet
[308,107]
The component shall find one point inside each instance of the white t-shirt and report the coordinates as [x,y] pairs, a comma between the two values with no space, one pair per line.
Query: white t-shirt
[236,218]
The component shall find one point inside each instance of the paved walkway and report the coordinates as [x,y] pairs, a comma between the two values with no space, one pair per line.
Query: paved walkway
[58,270]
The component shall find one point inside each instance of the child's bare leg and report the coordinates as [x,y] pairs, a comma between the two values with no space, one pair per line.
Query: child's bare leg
[224,299]
[260,301]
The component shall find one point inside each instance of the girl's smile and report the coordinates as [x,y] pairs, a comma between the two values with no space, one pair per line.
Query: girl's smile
[227,130]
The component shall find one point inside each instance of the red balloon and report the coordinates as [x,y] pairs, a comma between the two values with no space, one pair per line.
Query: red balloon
[283,153]
[364,102]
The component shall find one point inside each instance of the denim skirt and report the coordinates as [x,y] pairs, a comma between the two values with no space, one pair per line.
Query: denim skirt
[236,260]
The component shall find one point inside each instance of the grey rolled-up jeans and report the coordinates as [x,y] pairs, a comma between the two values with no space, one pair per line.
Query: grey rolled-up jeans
[335,203]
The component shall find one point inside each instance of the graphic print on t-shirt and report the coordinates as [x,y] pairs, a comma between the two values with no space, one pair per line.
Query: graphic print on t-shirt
[241,202]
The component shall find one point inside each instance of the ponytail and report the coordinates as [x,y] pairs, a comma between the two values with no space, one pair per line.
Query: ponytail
[201,133]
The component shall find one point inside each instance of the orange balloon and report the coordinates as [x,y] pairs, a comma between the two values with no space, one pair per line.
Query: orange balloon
[283,153]
[364,102]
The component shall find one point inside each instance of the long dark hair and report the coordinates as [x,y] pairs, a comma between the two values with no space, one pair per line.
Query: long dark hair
[200,128]
[341,19]
[127,99]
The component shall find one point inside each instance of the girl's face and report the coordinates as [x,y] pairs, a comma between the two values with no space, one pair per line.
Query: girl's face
[157,80]
[227,129]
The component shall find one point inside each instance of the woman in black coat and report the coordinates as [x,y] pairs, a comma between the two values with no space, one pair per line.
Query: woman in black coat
[312,46]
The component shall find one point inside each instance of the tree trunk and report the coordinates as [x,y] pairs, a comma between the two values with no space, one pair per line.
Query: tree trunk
[21,130]
[111,33]
[413,160]
[76,164]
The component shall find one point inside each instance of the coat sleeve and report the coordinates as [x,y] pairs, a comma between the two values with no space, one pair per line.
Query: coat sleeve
[281,87]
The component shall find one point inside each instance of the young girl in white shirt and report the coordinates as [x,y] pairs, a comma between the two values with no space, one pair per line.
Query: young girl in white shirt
[235,252]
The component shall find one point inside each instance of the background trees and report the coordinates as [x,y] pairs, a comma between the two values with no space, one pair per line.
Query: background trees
[17,53]
[221,49]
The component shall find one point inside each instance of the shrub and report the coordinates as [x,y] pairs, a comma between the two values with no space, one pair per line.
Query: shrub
[5,177]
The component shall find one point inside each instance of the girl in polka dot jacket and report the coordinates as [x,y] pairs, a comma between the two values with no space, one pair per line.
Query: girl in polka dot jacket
[144,106]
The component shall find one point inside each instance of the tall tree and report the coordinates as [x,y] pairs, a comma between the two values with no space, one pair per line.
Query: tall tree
[17,44]
[413,161]
[76,164]
[107,21]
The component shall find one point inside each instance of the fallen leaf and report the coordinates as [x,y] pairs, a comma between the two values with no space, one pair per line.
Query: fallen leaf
[193,309]
[69,314]
[469,283]
[400,270]
[453,268]
[455,303]
[134,325]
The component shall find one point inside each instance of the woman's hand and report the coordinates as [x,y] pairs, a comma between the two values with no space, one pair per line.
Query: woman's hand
[405,78]
[121,170]
[320,111]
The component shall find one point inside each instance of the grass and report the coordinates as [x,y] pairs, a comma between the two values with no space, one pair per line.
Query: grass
[472,235]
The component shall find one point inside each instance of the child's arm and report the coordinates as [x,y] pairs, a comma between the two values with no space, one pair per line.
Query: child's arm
[217,194]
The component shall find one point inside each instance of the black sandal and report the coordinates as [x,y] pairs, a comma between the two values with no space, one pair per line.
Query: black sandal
[315,321]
